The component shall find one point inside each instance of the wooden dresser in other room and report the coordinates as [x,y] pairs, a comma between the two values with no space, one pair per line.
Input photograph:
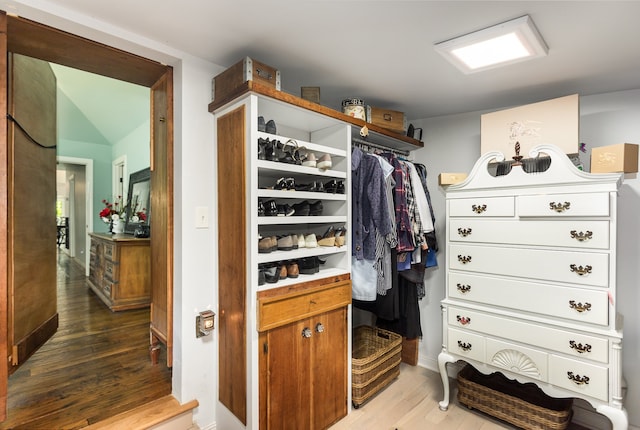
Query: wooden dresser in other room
[119,270]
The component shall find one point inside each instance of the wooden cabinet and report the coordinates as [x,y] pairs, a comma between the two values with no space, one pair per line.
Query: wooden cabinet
[119,270]
[303,381]
[531,281]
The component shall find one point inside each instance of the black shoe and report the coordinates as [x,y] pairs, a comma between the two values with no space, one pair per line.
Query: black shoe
[270,208]
[302,208]
[260,208]
[315,209]
[265,149]
[340,187]
[285,184]
[308,265]
[270,127]
[261,277]
[285,210]
[331,186]
[261,124]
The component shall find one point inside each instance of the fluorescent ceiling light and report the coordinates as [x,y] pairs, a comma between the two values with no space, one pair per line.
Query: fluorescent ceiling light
[507,43]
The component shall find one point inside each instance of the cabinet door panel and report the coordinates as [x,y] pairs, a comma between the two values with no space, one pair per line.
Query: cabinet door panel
[288,377]
[329,371]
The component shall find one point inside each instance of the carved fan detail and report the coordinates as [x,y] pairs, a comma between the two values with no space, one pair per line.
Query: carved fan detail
[516,362]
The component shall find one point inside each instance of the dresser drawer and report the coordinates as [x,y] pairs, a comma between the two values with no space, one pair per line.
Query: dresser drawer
[482,207]
[563,205]
[111,270]
[111,251]
[281,309]
[564,233]
[584,378]
[466,344]
[577,304]
[517,359]
[568,342]
[584,268]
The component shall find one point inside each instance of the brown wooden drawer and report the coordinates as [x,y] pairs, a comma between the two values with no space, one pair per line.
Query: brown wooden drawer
[110,251]
[281,309]
[111,270]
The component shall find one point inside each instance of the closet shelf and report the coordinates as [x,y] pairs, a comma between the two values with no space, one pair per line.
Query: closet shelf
[292,169]
[295,254]
[300,195]
[324,273]
[313,147]
[292,220]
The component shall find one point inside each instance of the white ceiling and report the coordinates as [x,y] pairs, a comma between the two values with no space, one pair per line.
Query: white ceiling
[382,51]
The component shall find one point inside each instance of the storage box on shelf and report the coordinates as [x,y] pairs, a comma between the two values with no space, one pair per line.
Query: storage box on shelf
[386,118]
[228,83]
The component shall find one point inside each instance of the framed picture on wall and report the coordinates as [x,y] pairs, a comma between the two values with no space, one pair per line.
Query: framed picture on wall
[138,215]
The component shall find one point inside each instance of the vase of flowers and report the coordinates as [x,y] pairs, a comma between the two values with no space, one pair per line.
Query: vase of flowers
[113,214]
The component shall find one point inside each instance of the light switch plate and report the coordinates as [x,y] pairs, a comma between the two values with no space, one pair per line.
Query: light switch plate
[202,217]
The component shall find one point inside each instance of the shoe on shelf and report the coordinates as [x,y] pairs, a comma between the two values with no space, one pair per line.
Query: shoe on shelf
[261,124]
[309,160]
[341,236]
[295,241]
[316,208]
[340,188]
[282,269]
[271,273]
[261,277]
[324,162]
[308,265]
[292,269]
[285,184]
[285,210]
[260,208]
[310,241]
[301,241]
[267,245]
[328,238]
[270,208]
[331,186]
[302,208]
[270,127]
[285,243]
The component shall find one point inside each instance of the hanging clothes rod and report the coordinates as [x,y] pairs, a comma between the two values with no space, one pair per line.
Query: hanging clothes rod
[370,147]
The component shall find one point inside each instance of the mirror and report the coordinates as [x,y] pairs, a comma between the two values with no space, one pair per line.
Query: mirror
[138,215]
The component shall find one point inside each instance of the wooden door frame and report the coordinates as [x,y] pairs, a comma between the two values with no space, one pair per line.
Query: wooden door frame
[46,43]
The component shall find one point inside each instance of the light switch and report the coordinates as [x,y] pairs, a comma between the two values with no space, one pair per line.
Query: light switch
[202,217]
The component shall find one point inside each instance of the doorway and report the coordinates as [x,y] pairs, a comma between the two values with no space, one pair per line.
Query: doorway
[28,38]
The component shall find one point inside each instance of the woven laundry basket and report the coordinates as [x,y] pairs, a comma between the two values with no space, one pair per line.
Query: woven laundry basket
[375,361]
[523,405]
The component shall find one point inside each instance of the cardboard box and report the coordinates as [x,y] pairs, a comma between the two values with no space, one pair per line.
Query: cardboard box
[620,158]
[390,119]
[245,70]
[451,178]
[554,122]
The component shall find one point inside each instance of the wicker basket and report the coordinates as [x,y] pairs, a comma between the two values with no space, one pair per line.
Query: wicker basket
[375,362]
[523,405]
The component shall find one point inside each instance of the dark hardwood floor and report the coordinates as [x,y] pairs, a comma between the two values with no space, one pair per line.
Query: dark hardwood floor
[97,364]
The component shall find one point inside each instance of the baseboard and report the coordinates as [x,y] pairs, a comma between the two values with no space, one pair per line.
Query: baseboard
[33,341]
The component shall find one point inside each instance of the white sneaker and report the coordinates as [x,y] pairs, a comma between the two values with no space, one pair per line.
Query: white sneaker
[301,241]
[310,241]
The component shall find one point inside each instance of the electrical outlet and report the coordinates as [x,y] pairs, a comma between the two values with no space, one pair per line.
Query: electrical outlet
[202,217]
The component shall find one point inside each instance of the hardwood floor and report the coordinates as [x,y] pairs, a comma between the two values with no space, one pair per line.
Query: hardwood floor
[96,365]
[411,403]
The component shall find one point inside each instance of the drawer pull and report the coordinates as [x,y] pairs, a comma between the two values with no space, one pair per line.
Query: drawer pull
[464,346]
[580,270]
[464,232]
[306,332]
[463,320]
[582,236]
[319,328]
[559,207]
[580,347]
[577,379]
[478,208]
[579,306]
[464,259]
[464,289]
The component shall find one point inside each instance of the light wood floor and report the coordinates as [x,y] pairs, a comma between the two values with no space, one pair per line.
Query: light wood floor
[97,364]
[411,403]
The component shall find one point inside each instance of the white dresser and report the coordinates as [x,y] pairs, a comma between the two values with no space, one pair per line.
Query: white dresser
[531,281]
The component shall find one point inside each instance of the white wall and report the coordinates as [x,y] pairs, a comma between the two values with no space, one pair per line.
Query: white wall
[452,144]
[194,368]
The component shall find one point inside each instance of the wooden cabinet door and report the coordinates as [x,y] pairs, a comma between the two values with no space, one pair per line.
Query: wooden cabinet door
[329,368]
[288,353]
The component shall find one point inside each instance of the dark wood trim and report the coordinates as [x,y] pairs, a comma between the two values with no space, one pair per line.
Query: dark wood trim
[27,346]
[4,207]
[46,43]
[251,86]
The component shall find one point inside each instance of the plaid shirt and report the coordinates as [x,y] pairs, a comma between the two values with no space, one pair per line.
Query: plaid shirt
[403,219]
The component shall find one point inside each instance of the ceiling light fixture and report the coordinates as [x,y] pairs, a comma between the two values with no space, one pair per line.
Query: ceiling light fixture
[506,43]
